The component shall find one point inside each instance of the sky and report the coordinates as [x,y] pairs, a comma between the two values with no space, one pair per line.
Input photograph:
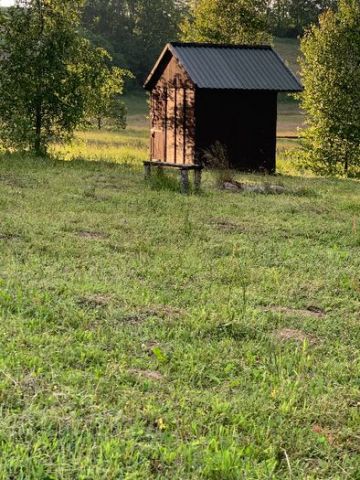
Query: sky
[6,3]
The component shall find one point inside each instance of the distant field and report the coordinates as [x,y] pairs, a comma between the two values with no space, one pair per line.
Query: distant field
[289,116]
[289,50]
[290,119]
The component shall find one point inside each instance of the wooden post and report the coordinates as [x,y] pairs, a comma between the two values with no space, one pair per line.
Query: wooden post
[160,170]
[147,168]
[197,179]
[184,181]
[175,122]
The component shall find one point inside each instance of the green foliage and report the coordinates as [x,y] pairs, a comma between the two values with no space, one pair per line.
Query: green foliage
[49,73]
[331,76]
[106,104]
[290,18]
[227,21]
[137,30]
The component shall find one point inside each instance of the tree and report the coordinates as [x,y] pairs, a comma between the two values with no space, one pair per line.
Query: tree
[227,21]
[137,30]
[49,71]
[106,103]
[331,77]
[155,24]
[290,18]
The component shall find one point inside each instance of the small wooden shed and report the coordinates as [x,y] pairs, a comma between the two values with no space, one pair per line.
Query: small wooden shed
[205,94]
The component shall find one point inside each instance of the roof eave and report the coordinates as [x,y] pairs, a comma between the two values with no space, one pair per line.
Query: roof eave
[156,66]
[301,87]
[273,90]
[168,48]
[171,48]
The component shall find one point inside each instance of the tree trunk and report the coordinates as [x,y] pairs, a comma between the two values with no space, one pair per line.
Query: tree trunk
[38,147]
[99,123]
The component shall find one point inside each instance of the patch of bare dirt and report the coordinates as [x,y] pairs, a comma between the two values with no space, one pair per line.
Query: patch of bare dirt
[148,374]
[140,315]
[95,301]
[12,181]
[264,188]
[31,385]
[227,226]
[164,311]
[149,346]
[311,311]
[160,311]
[288,334]
[134,318]
[92,235]
[316,311]
[324,432]
[9,236]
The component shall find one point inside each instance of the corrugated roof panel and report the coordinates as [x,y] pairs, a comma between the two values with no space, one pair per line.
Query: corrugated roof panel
[235,67]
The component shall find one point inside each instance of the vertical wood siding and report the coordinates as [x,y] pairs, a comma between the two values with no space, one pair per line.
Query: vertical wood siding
[172,117]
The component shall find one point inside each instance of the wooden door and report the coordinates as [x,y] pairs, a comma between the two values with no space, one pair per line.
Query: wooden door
[158,125]
[173,125]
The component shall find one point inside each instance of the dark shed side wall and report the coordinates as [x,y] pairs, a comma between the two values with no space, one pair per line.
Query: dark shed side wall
[243,121]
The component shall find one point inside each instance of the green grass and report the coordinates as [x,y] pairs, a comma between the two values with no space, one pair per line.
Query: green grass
[289,50]
[148,335]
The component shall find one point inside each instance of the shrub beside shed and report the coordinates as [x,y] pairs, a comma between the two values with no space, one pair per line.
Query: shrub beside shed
[205,94]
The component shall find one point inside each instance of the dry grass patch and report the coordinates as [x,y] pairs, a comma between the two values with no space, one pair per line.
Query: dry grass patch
[9,236]
[227,226]
[308,312]
[147,374]
[92,235]
[95,301]
[164,312]
[325,433]
[289,334]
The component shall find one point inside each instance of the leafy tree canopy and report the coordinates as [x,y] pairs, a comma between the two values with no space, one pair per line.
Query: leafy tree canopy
[106,103]
[331,76]
[49,72]
[137,30]
[227,21]
[290,18]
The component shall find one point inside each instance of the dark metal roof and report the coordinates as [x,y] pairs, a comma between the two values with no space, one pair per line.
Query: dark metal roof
[235,67]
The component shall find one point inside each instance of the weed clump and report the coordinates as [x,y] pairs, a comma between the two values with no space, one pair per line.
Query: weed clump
[217,158]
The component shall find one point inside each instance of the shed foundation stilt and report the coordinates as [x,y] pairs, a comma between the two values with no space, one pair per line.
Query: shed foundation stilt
[184,173]
[147,170]
[197,179]
[184,181]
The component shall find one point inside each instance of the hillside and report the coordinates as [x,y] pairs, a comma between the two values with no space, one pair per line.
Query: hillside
[289,50]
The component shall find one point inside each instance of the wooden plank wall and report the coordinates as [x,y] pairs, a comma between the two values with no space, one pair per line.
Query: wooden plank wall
[173,117]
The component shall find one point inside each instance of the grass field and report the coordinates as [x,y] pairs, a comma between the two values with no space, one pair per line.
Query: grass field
[149,335]
[288,49]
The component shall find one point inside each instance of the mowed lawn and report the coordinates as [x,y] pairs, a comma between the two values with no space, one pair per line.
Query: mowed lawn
[149,335]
